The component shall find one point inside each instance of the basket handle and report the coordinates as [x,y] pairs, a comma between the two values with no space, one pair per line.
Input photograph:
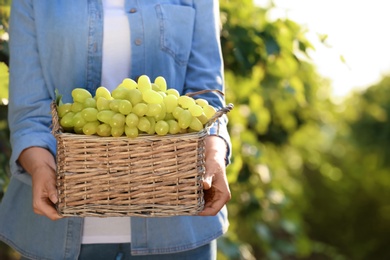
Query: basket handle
[56,127]
[219,114]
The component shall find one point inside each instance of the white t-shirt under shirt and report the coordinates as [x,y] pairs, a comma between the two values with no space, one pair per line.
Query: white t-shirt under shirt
[116,67]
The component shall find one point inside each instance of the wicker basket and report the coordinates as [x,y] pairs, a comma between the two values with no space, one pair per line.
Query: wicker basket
[149,175]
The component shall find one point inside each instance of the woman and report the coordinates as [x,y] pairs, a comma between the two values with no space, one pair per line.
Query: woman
[66,44]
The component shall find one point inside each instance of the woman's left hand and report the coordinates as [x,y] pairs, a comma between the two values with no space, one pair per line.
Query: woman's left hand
[215,184]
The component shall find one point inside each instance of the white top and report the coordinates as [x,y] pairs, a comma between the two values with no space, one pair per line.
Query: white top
[116,67]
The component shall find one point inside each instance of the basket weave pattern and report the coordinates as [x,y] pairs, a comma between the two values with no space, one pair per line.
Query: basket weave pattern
[149,175]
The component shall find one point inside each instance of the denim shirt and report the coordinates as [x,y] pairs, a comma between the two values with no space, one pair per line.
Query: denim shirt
[58,45]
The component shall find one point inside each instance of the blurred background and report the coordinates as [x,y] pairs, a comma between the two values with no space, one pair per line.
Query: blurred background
[310,171]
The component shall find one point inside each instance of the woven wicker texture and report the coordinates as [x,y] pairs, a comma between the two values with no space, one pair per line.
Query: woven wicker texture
[149,175]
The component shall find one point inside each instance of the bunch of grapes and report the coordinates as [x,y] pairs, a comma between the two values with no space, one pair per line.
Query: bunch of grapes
[133,108]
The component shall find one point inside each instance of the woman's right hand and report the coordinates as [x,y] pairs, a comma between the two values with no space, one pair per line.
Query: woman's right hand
[40,164]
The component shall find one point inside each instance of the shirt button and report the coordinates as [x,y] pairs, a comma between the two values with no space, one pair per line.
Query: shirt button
[138,41]
[133,10]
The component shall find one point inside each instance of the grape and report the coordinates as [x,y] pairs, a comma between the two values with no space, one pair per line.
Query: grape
[120,93]
[143,124]
[89,114]
[185,119]
[162,84]
[132,120]
[129,83]
[173,92]
[176,112]
[118,120]
[209,111]
[103,92]
[152,122]
[131,131]
[114,105]
[105,116]
[77,107]
[170,102]
[125,107]
[67,120]
[90,128]
[161,127]
[185,101]
[80,94]
[78,130]
[195,124]
[135,96]
[144,83]
[169,116]
[117,131]
[201,102]
[162,114]
[174,127]
[153,109]
[89,102]
[155,87]
[140,109]
[103,104]
[163,94]
[152,97]
[103,130]
[203,119]
[63,109]
[78,120]
[195,110]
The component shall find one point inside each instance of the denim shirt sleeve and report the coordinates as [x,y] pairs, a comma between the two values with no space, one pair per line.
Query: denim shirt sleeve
[29,106]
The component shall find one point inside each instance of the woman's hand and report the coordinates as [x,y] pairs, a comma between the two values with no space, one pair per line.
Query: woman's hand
[40,164]
[215,184]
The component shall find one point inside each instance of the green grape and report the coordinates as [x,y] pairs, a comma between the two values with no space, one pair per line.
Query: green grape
[90,128]
[154,109]
[203,119]
[173,92]
[195,110]
[120,93]
[201,102]
[131,131]
[185,119]
[185,101]
[161,127]
[170,102]
[78,120]
[144,83]
[209,111]
[77,107]
[161,82]
[155,87]
[176,112]
[89,114]
[151,97]
[135,96]
[162,114]
[163,94]
[143,124]
[90,102]
[174,127]
[195,124]
[152,125]
[117,120]
[103,130]
[103,104]
[117,131]
[105,116]
[67,120]
[140,109]
[103,92]
[129,83]
[132,120]
[63,109]
[125,107]
[168,116]
[114,105]
[78,130]
[80,94]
